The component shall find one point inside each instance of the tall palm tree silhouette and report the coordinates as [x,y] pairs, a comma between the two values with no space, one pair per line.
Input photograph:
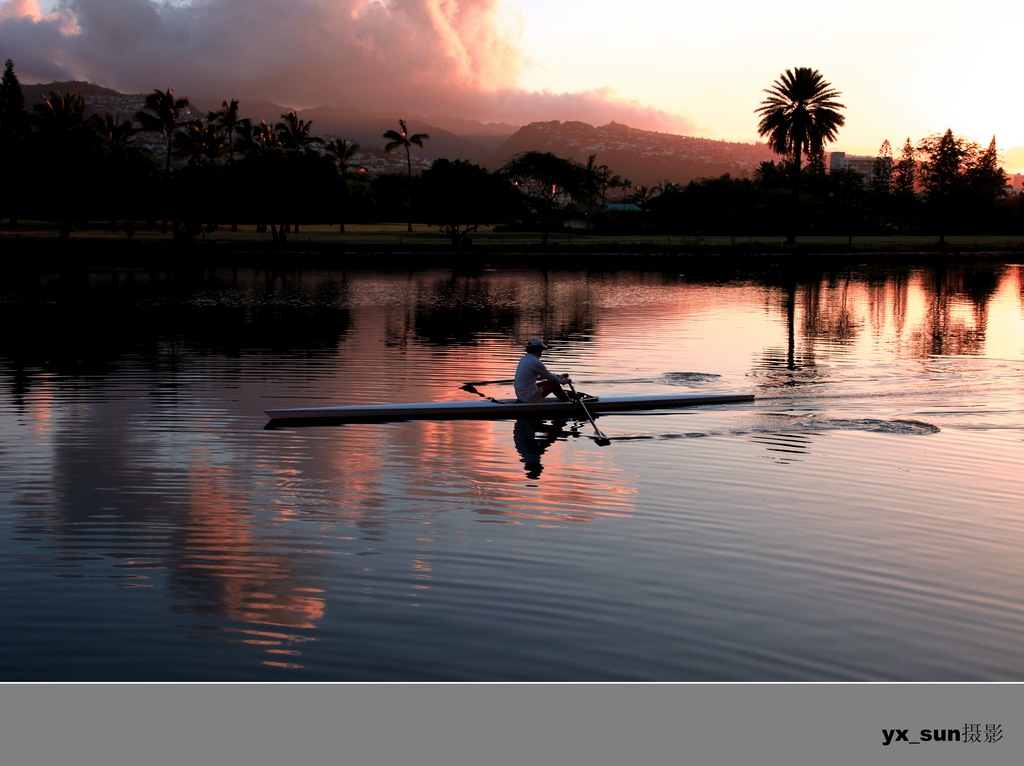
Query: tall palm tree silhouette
[403,138]
[343,152]
[799,116]
[165,114]
[60,119]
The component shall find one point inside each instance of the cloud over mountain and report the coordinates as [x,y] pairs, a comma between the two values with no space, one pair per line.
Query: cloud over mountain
[454,57]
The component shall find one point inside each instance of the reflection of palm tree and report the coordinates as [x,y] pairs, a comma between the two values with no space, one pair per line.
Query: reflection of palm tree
[799,116]
[402,138]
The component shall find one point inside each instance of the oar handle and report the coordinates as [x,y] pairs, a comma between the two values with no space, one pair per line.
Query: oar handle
[579,400]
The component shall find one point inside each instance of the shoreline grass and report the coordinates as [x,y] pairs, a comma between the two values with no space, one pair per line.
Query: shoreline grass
[34,236]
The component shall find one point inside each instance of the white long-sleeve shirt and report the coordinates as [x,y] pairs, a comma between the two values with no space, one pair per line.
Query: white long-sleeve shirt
[530,370]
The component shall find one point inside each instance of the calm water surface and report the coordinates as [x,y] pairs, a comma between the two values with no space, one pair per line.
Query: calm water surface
[861,520]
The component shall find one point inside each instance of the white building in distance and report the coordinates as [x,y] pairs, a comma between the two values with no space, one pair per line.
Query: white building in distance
[857,163]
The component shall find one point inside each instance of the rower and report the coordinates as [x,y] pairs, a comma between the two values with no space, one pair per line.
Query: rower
[533,380]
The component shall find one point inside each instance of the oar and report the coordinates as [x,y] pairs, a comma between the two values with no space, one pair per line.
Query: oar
[601,439]
[472,386]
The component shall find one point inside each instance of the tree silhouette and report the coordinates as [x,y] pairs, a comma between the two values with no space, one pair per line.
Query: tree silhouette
[13,137]
[881,171]
[295,134]
[402,138]
[163,113]
[343,153]
[226,119]
[459,196]
[944,161]
[549,183]
[799,116]
[61,124]
[12,99]
[232,129]
[198,142]
[626,185]
[601,177]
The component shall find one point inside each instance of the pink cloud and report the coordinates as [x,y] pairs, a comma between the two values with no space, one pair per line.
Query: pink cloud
[449,57]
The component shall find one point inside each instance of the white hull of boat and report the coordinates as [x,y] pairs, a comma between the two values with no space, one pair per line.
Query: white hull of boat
[493,408]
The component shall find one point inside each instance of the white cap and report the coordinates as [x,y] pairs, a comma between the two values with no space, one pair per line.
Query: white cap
[536,343]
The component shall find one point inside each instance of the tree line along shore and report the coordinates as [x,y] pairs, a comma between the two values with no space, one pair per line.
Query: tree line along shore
[222,181]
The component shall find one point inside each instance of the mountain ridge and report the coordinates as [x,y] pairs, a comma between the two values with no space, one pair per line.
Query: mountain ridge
[644,157]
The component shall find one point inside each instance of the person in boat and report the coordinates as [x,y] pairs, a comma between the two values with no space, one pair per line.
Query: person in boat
[534,380]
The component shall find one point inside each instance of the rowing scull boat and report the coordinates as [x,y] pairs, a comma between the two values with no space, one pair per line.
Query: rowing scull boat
[492,408]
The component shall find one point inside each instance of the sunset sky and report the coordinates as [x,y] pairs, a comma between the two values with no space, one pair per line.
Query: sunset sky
[906,68]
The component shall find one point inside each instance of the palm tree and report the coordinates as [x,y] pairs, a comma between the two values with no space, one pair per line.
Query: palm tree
[627,187]
[253,139]
[295,134]
[665,186]
[226,118]
[199,141]
[643,196]
[343,152]
[115,130]
[60,120]
[163,113]
[61,111]
[597,177]
[799,116]
[397,138]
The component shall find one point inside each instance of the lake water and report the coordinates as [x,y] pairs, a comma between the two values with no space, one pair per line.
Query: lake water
[861,520]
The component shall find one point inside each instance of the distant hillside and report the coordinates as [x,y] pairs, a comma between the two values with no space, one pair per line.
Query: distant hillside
[35,93]
[642,156]
[452,139]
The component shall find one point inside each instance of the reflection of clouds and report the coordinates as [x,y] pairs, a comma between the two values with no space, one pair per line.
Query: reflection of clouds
[225,562]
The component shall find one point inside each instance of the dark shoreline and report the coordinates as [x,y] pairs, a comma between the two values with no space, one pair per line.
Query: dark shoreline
[33,254]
